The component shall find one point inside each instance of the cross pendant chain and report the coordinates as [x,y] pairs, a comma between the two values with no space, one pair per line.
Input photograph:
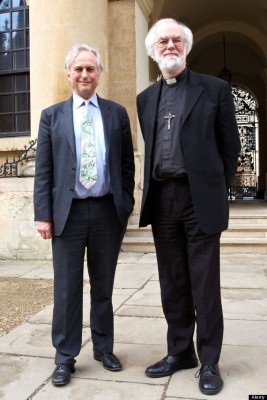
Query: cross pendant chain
[169,118]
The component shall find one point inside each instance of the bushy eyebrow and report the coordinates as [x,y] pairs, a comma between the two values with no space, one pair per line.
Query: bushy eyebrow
[174,37]
[88,67]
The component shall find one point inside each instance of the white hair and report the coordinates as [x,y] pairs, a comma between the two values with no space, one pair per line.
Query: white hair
[76,49]
[152,36]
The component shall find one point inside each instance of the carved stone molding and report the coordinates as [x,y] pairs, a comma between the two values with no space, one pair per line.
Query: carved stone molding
[146,7]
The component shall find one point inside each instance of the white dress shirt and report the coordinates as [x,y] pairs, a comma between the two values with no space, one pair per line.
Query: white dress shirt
[101,187]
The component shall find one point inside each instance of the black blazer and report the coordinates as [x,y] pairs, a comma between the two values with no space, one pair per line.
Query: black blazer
[56,162]
[210,143]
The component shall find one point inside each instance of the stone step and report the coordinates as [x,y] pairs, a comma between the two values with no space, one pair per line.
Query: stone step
[234,231]
[248,219]
[247,232]
[228,245]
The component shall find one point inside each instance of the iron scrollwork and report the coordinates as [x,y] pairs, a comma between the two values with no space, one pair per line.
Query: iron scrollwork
[244,184]
[11,169]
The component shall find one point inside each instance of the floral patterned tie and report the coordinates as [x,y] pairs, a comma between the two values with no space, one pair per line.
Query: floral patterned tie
[88,171]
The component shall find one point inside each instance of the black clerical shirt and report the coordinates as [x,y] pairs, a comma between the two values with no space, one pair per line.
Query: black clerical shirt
[168,160]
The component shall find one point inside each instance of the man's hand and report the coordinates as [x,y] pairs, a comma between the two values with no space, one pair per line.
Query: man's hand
[45,228]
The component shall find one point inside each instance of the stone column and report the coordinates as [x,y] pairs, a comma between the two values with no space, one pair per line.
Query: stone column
[128,26]
[54,27]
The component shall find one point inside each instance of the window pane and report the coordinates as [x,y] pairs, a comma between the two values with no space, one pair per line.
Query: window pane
[6,84]
[17,3]
[18,40]
[4,22]
[5,61]
[21,83]
[22,123]
[27,38]
[6,123]
[6,104]
[4,4]
[19,60]
[4,41]
[21,102]
[17,20]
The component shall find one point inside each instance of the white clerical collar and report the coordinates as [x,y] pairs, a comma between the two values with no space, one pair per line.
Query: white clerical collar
[177,78]
[171,81]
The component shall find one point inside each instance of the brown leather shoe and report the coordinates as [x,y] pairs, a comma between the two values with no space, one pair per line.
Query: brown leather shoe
[170,364]
[61,374]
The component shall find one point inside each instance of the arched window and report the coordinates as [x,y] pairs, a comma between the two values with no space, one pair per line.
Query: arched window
[14,69]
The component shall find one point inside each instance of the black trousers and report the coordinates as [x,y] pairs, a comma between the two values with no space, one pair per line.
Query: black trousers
[93,224]
[189,274]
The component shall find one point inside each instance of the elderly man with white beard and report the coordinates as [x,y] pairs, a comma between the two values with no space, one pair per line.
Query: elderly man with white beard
[191,151]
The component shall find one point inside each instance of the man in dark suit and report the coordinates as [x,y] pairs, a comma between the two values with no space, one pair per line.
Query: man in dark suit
[78,214]
[191,150]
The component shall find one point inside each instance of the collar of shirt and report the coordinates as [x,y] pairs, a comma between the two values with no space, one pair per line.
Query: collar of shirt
[78,101]
[176,79]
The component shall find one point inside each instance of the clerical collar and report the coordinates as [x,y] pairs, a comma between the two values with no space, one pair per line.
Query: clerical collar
[177,78]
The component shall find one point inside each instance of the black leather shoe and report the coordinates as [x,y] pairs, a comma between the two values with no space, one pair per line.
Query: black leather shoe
[61,375]
[169,365]
[109,361]
[210,380]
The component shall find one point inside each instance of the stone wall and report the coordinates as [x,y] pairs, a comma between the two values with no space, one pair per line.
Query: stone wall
[19,239]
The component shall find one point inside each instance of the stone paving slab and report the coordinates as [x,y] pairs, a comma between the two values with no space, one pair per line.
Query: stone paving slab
[44,271]
[244,370]
[137,311]
[101,390]
[148,295]
[148,258]
[20,376]
[246,276]
[119,298]
[31,340]
[132,276]
[135,358]
[20,269]
[130,257]
[245,304]
[242,260]
[140,330]
[245,333]
[140,339]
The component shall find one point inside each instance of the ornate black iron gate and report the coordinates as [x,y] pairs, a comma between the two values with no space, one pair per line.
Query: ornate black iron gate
[244,185]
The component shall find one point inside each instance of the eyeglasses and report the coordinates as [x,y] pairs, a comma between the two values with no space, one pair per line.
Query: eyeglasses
[163,43]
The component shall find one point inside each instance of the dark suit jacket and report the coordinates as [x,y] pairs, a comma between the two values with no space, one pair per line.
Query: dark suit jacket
[210,144]
[56,162]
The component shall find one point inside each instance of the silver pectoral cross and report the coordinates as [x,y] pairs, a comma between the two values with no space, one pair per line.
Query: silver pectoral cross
[169,118]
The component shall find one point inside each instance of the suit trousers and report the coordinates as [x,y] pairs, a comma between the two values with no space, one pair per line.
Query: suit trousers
[92,224]
[189,274]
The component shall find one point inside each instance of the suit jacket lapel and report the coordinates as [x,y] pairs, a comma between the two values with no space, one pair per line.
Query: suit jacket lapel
[152,109]
[153,102]
[66,121]
[106,113]
[194,90]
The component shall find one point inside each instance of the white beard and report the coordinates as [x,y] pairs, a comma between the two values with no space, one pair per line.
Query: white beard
[171,64]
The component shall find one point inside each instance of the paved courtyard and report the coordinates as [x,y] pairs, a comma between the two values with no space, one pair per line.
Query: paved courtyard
[26,352]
